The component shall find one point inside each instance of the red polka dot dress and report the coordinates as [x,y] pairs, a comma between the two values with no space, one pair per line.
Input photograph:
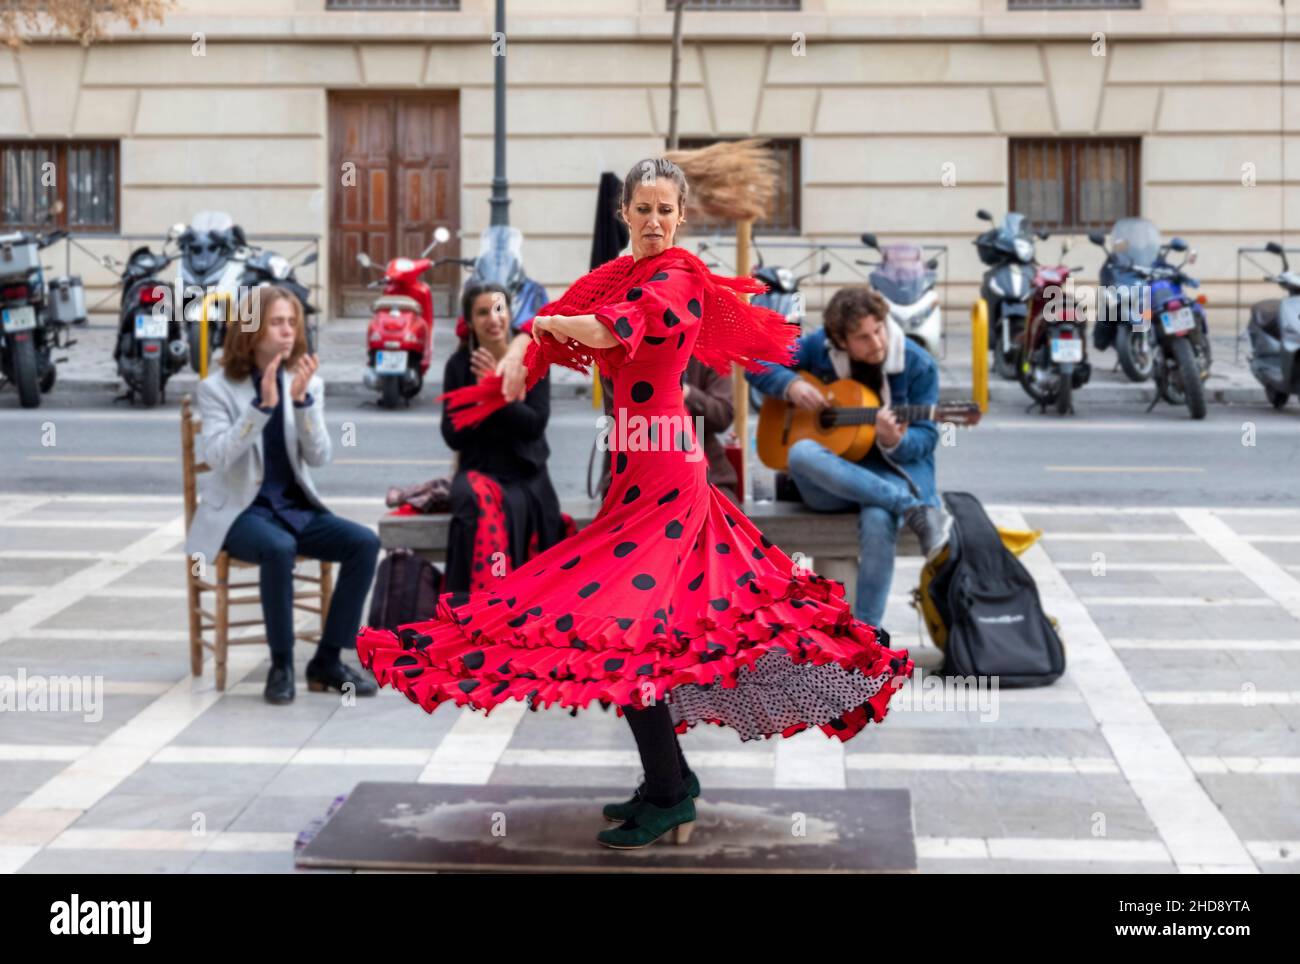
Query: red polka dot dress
[670,593]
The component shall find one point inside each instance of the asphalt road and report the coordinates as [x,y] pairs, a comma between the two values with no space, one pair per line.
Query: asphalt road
[1241,455]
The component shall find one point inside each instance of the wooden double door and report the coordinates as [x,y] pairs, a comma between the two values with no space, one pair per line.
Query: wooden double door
[395,176]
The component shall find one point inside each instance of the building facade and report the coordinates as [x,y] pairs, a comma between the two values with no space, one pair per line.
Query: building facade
[366,127]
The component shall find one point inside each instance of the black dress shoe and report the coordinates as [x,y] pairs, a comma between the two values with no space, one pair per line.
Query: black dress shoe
[334,676]
[932,527]
[279,684]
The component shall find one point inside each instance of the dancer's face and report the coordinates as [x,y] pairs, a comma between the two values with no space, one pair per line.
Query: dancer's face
[653,216]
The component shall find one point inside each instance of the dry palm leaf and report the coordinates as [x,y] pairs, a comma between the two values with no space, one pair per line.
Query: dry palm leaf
[733,180]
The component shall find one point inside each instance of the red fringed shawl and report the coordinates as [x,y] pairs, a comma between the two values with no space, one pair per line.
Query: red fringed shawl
[731,329]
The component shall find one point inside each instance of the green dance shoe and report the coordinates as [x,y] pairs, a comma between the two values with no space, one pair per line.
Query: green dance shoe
[650,823]
[618,812]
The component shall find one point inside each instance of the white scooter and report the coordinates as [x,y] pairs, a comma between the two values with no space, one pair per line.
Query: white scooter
[906,280]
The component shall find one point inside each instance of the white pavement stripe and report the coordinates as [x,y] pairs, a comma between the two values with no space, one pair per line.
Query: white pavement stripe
[54,806]
[112,592]
[470,751]
[1274,581]
[1207,644]
[12,752]
[1191,825]
[1278,851]
[1242,697]
[1118,536]
[1041,849]
[1274,538]
[79,524]
[811,759]
[31,612]
[981,763]
[19,506]
[1250,765]
[130,498]
[1182,602]
[106,838]
[1110,567]
[293,756]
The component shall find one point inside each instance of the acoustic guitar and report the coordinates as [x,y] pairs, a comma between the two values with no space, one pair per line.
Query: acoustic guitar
[847,426]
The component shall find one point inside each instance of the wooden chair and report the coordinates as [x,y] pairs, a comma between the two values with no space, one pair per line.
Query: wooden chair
[314,598]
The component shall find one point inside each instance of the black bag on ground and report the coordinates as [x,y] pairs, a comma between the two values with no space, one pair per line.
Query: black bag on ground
[406,590]
[990,605]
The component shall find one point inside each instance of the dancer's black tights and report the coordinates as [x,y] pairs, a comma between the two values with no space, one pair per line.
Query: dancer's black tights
[661,755]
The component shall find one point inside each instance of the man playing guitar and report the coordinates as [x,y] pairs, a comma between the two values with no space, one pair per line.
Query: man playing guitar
[894,483]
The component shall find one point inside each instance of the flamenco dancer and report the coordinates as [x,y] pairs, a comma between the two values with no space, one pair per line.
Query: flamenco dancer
[670,605]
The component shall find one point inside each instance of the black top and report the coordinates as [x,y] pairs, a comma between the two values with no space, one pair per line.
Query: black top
[280,495]
[508,444]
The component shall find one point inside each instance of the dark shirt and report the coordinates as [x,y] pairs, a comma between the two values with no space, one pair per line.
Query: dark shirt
[510,444]
[280,497]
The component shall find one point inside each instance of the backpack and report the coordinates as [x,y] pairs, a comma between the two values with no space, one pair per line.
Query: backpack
[981,606]
[406,590]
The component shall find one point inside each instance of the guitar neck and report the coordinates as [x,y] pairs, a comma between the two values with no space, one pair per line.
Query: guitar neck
[867,416]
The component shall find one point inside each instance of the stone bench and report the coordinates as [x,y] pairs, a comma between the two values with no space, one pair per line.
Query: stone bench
[830,538]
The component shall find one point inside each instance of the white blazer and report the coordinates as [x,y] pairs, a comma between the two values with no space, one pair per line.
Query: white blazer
[231,444]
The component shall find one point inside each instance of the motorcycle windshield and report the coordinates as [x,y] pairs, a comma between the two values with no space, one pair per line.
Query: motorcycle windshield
[902,276]
[500,255]
[1014,226]
[1142,237]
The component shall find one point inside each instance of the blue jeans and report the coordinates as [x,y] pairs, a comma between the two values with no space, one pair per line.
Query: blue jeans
[829,483]
[274,547]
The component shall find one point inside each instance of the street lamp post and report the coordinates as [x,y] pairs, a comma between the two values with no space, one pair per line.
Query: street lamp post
[500,200]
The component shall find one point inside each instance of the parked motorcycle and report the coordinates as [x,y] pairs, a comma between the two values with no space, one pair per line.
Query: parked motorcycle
[399,338]
[1274,333]
[217,267]
[1134,241]
[1053,361]
[1182,333]
[1007,286]
[29,332]
[782,295]
[501,261]
[151,344]
[907,280]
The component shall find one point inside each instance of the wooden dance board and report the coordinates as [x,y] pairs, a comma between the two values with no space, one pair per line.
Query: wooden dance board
[458,828]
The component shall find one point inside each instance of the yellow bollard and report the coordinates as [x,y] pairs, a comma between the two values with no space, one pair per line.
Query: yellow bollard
[979,353]
[208,300]
[597,401]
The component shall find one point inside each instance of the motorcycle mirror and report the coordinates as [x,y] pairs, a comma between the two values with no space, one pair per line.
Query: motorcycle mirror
[826,266]
[363,259]
[176,231]
[932,264]
[1177,244]
[441,234]
[1191,256]
[1273,248]
[1043,235]
[1066,245]
[983,215]
[1098,238]
[870,241]
[310,259]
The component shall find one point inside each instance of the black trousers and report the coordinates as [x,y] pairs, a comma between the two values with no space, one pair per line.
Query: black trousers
[661,754]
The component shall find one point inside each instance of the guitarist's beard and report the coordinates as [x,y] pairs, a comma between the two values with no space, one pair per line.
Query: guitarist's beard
[873,376]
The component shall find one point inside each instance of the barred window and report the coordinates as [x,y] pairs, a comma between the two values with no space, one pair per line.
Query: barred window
[1074,4]
[392,4]
[83,175]
[1075,184]
[785,217]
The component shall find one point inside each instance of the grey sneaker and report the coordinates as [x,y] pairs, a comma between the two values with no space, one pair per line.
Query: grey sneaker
[932,527]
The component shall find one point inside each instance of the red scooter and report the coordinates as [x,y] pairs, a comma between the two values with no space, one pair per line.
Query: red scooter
[399,341]
[1053,356]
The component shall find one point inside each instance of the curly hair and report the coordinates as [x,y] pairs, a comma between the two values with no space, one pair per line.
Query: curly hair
[848,307]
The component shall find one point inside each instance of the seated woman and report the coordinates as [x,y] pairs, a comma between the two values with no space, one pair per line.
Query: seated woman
[503,507]
[263,417]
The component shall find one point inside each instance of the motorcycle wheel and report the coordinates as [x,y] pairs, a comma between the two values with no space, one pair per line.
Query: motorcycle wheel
[29,391]
[1005,363]
[1135,353]
[1064,396]
[48,378]
[390,392]
[1277,399]
[1025,375]
[150,380]
[1189,373]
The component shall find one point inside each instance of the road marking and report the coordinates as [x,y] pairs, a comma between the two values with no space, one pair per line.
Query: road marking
[391,462]
[27,614]
[1189,822]
[1250,765]
[1119,536]
[1179,601]
[1242,697]
[1274,581]
[470,751]
[1269,538]
[49,810]
[1110,567]
[1213,645]
[1040,849]
[107,838]
[1161,469]
[102,458]
[810,759]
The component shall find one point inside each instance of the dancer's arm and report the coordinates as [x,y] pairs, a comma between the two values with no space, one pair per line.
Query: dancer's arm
[586,329]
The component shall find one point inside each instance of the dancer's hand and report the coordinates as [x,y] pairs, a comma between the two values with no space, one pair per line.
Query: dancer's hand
[550,325]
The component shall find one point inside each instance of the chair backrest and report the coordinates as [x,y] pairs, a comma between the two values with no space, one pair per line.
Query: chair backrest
[191,428]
